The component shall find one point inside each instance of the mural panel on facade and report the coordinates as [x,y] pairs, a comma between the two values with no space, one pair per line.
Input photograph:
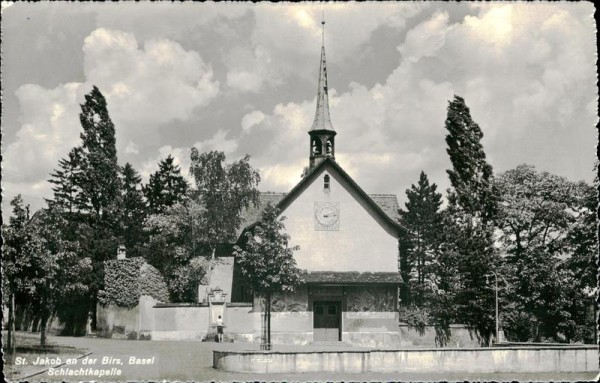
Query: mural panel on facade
[365,299]
[291,302]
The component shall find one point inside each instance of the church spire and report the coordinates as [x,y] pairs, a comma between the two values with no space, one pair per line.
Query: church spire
[322,119]
[322,143]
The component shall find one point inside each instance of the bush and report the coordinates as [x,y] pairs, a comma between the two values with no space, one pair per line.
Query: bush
[126,280]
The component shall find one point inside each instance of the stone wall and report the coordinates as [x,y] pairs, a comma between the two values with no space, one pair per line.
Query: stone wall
[291,322]
[482,360]
[460,337]
[117,322]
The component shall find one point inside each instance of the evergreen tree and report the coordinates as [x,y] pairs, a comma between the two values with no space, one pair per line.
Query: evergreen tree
[166,186]
[99,180]
[473,201]
[134,210]
[66,189]
[100,186]
[423,221]
[267,263]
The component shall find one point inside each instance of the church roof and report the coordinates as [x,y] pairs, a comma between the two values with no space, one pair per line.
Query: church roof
[350,277]
[385,204]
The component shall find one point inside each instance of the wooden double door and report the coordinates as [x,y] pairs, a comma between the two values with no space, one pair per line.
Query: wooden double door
[327,320]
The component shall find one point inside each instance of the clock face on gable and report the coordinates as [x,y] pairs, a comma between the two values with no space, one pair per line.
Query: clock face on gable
[327,216]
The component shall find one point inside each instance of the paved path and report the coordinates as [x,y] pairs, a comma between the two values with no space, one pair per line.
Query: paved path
[188,361]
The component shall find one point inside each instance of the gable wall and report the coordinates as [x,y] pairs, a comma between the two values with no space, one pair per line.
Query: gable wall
[364,242]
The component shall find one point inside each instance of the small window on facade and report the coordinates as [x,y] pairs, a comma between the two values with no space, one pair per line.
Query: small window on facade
[319,309]
[326,182]
[332,310]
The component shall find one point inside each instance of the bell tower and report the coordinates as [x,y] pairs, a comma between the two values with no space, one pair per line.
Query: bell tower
[322,135]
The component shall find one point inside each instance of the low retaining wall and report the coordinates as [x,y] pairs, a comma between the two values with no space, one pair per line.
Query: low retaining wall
[481,360]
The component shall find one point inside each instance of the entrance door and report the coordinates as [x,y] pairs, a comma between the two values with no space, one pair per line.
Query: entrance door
[327,320]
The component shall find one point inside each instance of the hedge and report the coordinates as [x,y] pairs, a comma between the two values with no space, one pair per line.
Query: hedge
[126,280]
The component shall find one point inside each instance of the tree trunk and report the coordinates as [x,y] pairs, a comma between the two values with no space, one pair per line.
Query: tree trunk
[11,329]
[269,321]
[93,313]
[44,320]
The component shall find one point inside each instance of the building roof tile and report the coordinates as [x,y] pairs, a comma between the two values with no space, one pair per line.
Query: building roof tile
[351,277]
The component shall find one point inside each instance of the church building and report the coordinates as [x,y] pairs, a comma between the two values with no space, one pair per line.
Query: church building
[348,243]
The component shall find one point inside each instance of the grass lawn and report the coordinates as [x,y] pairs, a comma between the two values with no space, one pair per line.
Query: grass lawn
[187,361]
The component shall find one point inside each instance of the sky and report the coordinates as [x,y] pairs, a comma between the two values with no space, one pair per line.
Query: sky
[242,79]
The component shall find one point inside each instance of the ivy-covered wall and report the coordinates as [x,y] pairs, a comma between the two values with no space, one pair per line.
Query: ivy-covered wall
[125,280]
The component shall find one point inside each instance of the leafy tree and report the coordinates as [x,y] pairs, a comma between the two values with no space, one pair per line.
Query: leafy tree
[423,221]
[267,263]
[134,210]
[224,191]
[40,267]
[58,275]
[173,248]
[472,205]
[166,186]
[547,225]
[582,237]
[14,250]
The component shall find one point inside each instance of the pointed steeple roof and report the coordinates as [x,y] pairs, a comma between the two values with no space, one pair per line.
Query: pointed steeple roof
[322,118]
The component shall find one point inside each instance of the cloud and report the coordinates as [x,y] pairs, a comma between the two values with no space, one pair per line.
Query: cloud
[49,128]
[425,39]
[145,87]
[181,156]
[526,71]
[132,148]
[266,58]
[150,86]
[251,119]
[528,91]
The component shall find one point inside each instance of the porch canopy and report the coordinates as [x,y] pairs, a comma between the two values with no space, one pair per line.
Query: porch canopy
[352,278]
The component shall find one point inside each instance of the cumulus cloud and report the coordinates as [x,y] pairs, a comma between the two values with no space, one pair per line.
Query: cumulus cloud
[526,90]
[251,119]
[181,155]
[145,87]
[526,71]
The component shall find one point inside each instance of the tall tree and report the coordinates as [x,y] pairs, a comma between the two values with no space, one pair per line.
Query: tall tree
[422,218]
[548,233]
[267,263]
[134,210]
[471,176]
[472,205]
[166,186]
[99,168]
[100,189]
[224,191]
